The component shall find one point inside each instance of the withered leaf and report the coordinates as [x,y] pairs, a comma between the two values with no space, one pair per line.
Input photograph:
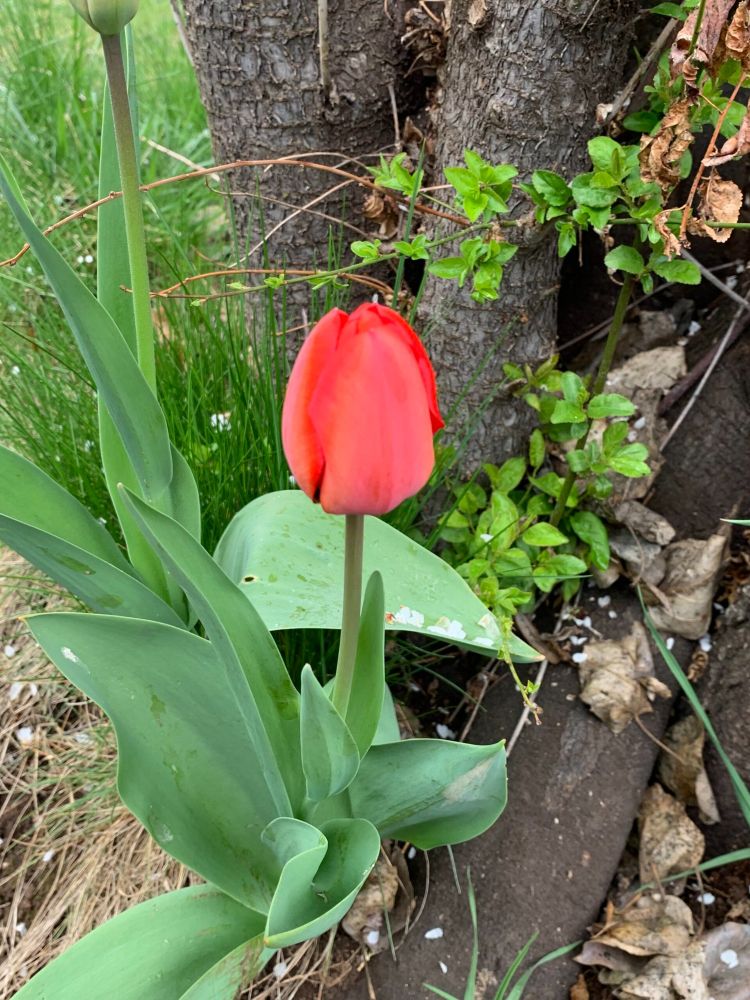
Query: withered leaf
[721,201]
[693,569]
[365,921]
[737,39]
[736,145]
[656,924]
[671,243]
[707,52]
[667,977]
[669,840]
[727,966]
[661,153]
[682,770]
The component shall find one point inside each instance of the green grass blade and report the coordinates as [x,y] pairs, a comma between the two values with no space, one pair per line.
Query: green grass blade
[515,965]
[472,980]
[740,788]
[519,988]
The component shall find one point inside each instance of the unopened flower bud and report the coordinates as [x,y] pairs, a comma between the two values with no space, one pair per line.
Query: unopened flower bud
[108,17]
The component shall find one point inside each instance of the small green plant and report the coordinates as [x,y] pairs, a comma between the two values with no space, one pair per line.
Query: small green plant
[502,537]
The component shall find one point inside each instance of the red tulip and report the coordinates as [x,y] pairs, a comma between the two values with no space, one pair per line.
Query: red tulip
[360,412]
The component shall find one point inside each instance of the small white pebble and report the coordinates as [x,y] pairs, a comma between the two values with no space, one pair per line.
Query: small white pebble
[25,734]
[729,958]
[705,643]
[89,258]
[279,970]
[693,328]
[632,436]
[10,650]
[707,898]
[33,690]
[15,689]
[222,421]
[681,341]
[444,732]
[443,967]
[731,281]
[88,445]
[372,938]
[486,538]
[21,929]
[434,933]
[604,602]
[15,370]
[48,856]
[579,657]
[292,481]
[83,738]
[612,614]
[578,640]
[640,423]
[669,642]
[411,853]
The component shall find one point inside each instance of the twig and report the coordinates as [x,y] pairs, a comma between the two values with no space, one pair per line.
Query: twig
[394,110]
[717,282]
[527,709]
[323,49]
[699,388]
[622,100]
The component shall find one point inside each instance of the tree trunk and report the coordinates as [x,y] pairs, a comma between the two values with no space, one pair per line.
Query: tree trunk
[520,85]
[258,66]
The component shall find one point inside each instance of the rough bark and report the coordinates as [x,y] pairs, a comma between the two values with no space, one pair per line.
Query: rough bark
[520,85]
[258,68]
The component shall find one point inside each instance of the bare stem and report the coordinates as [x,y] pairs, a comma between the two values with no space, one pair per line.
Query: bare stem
[353,554]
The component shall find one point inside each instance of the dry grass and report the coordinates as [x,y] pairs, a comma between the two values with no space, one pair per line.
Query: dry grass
[71,855]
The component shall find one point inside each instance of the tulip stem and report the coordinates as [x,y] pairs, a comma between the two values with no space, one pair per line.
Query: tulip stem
[353,551]
[132,206]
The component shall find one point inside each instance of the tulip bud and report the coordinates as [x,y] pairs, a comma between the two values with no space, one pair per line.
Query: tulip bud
[108,17]
[360,412]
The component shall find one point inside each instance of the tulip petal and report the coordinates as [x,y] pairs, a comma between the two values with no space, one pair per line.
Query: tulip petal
[371,414]
[372,314]
[302,447]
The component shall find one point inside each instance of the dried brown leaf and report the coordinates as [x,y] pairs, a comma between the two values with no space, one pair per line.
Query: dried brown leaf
[365,921]
[737,145]
[728,961]
[579,990]
[693,570]
[669,840]
[656,924]
[682,770]
[645,522]
[477,13]
[721,201]
[615,677]
[670,978]
[737,38]
[671,243]
[661,153]
[708,49]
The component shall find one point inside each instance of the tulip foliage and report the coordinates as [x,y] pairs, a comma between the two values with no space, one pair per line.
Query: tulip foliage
[277,798]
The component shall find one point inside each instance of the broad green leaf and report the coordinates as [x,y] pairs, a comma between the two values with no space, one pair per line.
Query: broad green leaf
[551,186]
[233,972]
[542,534]
[368,686]
[256,673]
[630,461]
[154,951]
[508,476]
[592,197]
[319,885]
[123,389]
[103,587]
[187,768]
[387,731]
[609,404]
[603,151]
[431,792]
[31,496]
[537,448]
[448,267]
[683,272]
[287,556]
[626,259]
[565,412]
[592,530]
[330,758]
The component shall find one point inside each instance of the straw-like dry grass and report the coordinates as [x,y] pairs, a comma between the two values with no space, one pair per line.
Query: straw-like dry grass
[71,855]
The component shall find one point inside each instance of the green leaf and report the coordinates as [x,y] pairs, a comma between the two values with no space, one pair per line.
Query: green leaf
[187,768]
[542,535]
[363,713]
[474,205]
[159,949]
[566,238]
[551,186]
[431,792]
[464,181]
[669,10]
[318,883]
[231,974]
[520,986]
[256,674]
[641,121]
[614,435]
[631,461]
[286,554]
[567,413]
[330,758]
[508,476]
[609,404]
[590,196]
[624,258]
[369,251]
[123,389]
[537,448]
[573,389]
[448,267]
[683,272]
[604,153]
[592,530]
[417,249]
[578,460]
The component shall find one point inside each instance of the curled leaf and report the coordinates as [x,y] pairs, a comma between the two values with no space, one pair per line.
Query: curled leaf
[737,39]
[707,50]
[669,840]
[660,154]
[737,145]
[721,201]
